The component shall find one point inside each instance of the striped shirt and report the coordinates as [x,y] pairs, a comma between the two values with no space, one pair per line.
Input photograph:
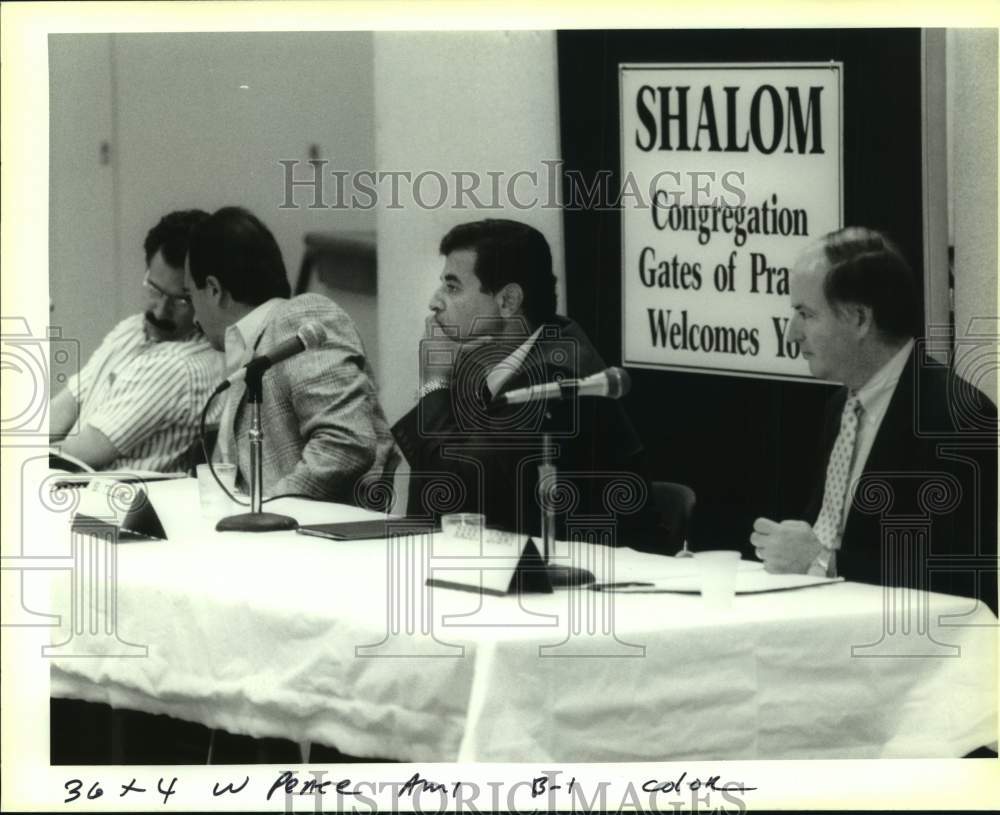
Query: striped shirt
[146,396]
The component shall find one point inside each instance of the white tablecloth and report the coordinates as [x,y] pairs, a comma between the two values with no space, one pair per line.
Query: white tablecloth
[340,643]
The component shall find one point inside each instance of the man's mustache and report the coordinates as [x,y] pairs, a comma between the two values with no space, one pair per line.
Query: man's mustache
[163,325]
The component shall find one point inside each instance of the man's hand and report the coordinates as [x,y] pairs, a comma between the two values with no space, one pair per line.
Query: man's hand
[440,352]
[788,547]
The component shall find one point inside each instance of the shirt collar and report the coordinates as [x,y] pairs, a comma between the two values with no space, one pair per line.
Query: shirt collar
[886,377]
[506,368]
[242,336]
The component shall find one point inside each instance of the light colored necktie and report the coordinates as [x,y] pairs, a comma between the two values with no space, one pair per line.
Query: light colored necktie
[226,444]
[838,471]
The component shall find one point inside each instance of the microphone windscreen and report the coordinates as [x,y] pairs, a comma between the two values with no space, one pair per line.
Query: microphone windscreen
[313,335]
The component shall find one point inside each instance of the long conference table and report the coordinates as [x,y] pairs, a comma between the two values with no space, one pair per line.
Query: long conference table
[344,644]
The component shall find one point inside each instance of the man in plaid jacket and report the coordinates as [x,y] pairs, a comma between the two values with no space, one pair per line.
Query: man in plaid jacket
[324,433]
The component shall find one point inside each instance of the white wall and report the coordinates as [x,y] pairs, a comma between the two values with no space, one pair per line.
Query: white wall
[972,91]
[186,133]
[83,274]
[937,293]
[449,102]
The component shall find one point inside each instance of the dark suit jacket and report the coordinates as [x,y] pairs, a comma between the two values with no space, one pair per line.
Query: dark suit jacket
[932,465]
[468,457]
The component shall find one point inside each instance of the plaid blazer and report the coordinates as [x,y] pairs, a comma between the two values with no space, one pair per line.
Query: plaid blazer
[324,432]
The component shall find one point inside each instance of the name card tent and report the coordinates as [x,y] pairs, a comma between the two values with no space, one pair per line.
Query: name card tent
[119,503]
[488,561]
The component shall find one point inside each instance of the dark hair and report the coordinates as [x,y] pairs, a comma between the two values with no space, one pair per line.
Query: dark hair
[171,235]
[868,269]
[241,253]
[509,252]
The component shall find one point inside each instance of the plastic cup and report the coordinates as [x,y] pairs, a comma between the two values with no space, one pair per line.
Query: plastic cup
[717,577]
[214,502]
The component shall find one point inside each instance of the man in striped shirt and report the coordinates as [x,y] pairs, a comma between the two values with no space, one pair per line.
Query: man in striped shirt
[137,403]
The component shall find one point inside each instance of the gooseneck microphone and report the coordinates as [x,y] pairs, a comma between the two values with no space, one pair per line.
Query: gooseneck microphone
[611,383]
[311,335]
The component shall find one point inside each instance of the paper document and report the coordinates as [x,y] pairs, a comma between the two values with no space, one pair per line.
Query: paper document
[755,581]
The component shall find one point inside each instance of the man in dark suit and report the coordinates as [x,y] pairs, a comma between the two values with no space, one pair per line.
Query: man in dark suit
[908,492]
[493,329]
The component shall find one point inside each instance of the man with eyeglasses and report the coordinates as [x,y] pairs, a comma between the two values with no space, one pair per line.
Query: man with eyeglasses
[137,403]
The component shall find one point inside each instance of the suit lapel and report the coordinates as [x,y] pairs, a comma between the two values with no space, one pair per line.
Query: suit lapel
[895,433]
[894,438]
[561,348]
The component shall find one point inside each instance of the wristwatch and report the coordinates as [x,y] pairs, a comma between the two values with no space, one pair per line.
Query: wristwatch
[825,564]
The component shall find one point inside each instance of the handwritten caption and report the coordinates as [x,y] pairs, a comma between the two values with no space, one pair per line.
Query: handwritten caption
[289,784]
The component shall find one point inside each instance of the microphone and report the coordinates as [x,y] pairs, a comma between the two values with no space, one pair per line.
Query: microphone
[311,335]
[611,383]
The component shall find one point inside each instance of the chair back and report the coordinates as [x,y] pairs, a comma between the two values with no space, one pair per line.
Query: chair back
[675,505]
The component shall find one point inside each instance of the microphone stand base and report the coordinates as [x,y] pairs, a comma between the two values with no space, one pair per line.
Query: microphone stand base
[560,576]
[256,522]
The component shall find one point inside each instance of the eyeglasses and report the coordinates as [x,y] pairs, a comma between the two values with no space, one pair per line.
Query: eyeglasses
[180,301]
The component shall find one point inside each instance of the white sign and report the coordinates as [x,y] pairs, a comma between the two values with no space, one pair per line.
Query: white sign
[728,172]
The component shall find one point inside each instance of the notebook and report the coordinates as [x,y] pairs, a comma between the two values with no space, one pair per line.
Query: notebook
[366,530]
